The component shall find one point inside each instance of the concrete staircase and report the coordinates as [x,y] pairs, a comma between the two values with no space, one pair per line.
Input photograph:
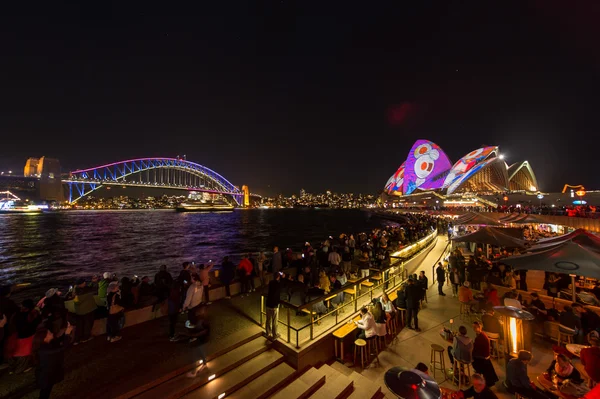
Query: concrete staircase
[252,369]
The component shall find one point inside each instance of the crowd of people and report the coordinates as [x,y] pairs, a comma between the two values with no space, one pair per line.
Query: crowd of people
[36,333]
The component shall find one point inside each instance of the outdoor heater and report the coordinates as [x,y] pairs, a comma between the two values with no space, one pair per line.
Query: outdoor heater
[517,335]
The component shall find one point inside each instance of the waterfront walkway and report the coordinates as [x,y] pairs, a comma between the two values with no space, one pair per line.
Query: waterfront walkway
[99,369]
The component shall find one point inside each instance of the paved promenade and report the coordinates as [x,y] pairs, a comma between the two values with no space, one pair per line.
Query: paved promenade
[411,347]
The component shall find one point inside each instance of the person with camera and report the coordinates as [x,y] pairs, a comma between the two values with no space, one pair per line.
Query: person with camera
[272,304]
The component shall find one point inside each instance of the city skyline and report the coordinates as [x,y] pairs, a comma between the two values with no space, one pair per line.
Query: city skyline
[301,97]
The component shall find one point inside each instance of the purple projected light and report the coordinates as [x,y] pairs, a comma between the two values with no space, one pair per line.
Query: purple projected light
[426,167]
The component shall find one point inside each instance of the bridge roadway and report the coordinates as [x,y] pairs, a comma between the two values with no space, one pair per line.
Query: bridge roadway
[149,185]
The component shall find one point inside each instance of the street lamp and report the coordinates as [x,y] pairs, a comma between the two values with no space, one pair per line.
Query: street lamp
[540,197]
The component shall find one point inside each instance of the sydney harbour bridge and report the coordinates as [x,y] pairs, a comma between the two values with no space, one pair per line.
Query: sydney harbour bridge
[160,173]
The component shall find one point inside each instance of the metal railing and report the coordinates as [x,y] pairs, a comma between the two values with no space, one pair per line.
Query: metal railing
[392,277]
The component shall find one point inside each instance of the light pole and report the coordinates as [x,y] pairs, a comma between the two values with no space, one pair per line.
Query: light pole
[540,197]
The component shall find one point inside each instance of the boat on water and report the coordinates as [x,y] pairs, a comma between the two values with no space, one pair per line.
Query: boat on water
[197,202]
[11,204]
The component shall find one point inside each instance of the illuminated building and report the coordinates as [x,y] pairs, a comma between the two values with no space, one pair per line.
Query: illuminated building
[428,169]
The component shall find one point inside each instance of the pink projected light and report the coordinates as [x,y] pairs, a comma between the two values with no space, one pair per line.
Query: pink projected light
[426,167]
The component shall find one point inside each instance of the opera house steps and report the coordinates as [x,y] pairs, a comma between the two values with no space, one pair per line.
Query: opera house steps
[253,369]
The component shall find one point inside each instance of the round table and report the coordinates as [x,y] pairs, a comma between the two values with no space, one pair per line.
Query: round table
[575,349]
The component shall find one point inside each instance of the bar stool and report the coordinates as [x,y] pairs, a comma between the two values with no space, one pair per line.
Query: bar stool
[372,344]
[401,314]
[362,344]
[438,364]
[565,334]
[465,310]
[460,367]
[494,344]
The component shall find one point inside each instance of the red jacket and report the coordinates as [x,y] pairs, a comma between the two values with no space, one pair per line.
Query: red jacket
[590,358]
[246,265]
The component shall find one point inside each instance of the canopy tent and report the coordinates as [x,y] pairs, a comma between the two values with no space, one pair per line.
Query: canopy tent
[568,257]
[579,236]
[508,218]
[492,236]
[474,218]
[529,218]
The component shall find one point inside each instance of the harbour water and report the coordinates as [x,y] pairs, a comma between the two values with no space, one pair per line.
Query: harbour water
[53,249]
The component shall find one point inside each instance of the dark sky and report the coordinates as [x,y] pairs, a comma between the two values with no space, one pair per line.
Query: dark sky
[284,95]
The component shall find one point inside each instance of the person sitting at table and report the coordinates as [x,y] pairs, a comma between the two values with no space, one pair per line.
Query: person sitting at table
[491,295]
[537,307]
[590,358]
[562,367]
[491,324]
[461,349]
[570,319]
[479,390]
[481,355]
[366,325]
[465,295]
[517,380]
[314,293]
[380,321]
[590,321]
[389,309]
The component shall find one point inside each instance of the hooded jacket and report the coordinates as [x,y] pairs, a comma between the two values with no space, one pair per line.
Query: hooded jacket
[463,348]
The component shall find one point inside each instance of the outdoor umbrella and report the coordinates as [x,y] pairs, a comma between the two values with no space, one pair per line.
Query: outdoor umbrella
[527,219]
[579,236]
[492,236]
[473,218]
[568,257]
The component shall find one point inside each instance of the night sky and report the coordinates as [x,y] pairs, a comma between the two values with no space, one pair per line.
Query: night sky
[284,95]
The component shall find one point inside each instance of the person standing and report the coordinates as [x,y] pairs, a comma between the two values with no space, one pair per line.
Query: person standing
[481,355]
[85,306]
[334,259]
[413,297]
[205,277]
[227,275]
[272,304]
[245,272]
[441,278]
[276,261]
[364,265]
[423,283]
[162,282]
[51,356]
[261,260]
[115,312]
[193,300]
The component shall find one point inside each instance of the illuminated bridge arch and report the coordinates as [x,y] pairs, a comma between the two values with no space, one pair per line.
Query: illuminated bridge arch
[171,173]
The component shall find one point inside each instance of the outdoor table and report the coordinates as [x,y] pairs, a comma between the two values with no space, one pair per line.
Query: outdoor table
[342,333]
[350,291]
[367,284]
[575,349]
[546,382]
[353,280]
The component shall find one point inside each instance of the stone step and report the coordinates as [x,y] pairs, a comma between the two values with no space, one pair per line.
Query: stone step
[337,385]
[339,367]
[181,384]
[363,387]
[266,384]
[304,386]
[240,376]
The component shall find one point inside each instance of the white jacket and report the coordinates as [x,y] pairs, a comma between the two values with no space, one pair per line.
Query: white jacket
[367,323]
[193,297]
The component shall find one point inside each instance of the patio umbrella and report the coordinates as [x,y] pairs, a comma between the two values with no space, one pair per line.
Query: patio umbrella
[527,219]
[492,236]
[579,236]
[568,257]
[473,218]
[508,218]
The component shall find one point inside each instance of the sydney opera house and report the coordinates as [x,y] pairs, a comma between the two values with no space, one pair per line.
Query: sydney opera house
[482,171]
